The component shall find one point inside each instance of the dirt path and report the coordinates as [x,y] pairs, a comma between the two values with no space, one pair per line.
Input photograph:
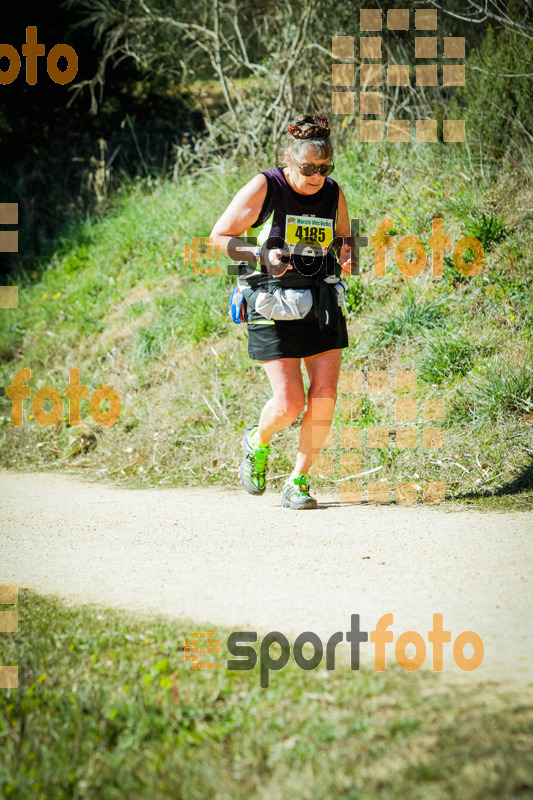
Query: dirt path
[225,558]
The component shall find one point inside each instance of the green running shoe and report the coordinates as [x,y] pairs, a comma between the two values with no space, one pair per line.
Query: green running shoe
[252,472]
[296,494]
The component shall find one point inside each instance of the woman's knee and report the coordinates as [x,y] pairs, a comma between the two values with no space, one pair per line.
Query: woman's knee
[290,407]
[324,391]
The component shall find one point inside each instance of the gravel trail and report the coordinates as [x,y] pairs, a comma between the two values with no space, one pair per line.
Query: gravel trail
[224,558]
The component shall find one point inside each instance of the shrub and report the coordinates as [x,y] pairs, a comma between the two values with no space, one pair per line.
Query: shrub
[498,110]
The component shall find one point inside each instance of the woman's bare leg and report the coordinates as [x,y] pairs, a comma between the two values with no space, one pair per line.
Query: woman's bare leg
[323,370]
[288,400]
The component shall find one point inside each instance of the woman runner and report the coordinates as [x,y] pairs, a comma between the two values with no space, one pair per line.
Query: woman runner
[295,213]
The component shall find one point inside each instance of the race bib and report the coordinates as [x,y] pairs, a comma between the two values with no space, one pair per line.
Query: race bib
[315,234]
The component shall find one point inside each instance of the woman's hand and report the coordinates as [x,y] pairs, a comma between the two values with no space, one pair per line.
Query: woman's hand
[274,264]
[348,263]
[348,259]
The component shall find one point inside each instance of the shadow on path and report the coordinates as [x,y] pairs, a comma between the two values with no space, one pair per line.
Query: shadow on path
[520,483]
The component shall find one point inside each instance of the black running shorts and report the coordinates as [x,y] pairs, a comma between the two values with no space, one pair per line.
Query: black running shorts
[270,339]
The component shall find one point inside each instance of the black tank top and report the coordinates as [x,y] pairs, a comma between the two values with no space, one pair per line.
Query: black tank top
[288,217]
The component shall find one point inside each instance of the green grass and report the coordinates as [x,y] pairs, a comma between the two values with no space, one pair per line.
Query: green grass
[446,359]
[107,708]
[490,230]
[192,315]
[500,390]
[412,318]
[357,295]
[117,301]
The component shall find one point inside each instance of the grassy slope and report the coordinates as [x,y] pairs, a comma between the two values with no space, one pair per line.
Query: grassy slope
[117,302]
[107,708]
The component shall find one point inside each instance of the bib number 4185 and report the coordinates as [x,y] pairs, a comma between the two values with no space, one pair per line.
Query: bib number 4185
[310,232]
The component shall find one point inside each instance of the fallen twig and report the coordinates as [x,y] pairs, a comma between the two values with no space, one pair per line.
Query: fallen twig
[461,466]
[211,409]
[359,475]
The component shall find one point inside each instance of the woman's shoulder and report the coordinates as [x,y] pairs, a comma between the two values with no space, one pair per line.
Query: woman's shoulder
[262,185]
[255,189]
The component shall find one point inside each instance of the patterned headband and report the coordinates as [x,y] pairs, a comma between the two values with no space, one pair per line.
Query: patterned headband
[310,133]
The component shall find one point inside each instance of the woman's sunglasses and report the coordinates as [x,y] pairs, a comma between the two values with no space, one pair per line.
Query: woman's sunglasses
[310,169]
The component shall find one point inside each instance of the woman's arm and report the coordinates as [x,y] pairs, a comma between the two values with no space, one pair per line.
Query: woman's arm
[347,257]
[241,213]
